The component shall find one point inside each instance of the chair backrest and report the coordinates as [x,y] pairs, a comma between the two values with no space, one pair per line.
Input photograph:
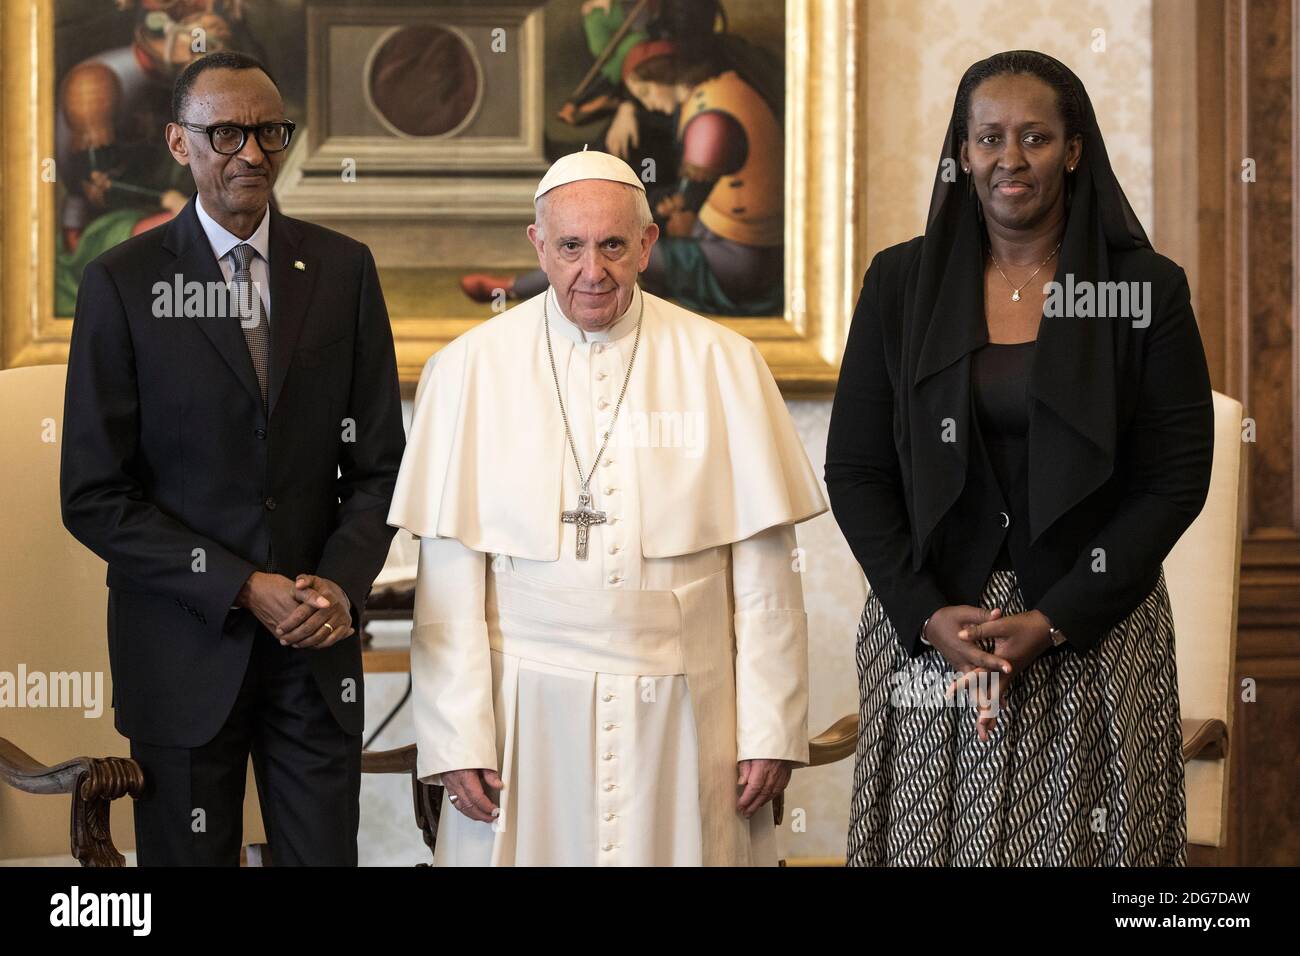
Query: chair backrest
[1203,573]
[53,615]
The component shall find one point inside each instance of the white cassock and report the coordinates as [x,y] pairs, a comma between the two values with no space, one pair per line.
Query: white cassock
[615,694]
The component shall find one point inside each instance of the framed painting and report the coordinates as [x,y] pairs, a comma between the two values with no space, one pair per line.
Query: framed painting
[423,128]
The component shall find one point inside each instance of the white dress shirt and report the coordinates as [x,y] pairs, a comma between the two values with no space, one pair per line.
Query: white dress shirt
[222,241]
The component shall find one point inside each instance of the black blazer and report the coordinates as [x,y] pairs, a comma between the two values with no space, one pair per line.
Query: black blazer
[174,474]
[1120,444]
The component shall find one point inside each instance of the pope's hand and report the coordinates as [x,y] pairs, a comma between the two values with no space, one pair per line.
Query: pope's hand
[468,789]
[762,780]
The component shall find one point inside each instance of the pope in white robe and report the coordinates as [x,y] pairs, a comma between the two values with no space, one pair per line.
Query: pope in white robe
[618,680]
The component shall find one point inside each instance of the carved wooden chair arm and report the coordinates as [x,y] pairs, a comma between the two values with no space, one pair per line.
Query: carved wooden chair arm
[836,742]
[393,596]
[1204,739]
[94,782]
[427,797]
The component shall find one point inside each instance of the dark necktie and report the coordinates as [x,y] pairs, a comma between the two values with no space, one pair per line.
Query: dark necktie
[257,331]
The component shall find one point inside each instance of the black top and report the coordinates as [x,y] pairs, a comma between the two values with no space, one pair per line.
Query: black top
[1000,385]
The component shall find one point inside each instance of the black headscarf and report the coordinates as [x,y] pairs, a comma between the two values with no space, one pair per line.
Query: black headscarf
[945,323]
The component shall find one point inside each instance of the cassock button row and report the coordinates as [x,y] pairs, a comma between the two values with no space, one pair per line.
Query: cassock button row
[602,403]
[610,816]
[614,549]
[601,376]
[607,462]
[614,578]
[607,756]
[610,490]
[610,726]
[610,786]
[607,698]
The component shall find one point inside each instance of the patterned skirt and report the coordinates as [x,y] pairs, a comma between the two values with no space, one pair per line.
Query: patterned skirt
[1083,768]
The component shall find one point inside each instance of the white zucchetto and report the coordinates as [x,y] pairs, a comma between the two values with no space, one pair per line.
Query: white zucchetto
[587,164]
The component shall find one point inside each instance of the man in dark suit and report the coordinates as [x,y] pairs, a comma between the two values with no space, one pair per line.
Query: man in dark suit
[234,468]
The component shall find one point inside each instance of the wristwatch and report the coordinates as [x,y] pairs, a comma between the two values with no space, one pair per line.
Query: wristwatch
[1054,633]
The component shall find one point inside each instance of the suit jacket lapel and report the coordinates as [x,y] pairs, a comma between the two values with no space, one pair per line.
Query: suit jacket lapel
[195,262]
[290,295]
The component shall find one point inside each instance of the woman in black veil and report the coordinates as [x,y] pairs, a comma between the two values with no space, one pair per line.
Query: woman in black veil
[1010,459]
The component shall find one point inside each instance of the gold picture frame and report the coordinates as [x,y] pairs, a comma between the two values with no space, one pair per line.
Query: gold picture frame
[825,165]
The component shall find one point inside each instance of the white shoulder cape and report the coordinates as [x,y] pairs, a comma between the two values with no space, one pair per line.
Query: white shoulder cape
[486,455]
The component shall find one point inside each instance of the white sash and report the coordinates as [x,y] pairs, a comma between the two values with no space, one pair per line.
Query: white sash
[644,633]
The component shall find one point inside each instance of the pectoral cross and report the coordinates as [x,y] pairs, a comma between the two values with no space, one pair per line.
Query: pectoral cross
[584,517]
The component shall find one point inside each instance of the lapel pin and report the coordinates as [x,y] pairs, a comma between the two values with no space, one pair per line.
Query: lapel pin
[298,264]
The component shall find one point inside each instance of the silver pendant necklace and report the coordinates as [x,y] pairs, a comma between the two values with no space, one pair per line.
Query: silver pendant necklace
[1015,292]
[584,516]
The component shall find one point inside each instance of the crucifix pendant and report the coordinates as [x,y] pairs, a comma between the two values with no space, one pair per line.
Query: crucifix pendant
[583,517]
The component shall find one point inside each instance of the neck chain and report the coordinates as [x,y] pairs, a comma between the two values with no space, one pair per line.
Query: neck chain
[584,515]
[1015,292]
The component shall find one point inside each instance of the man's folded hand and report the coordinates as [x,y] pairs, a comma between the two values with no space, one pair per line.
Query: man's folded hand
[322,617]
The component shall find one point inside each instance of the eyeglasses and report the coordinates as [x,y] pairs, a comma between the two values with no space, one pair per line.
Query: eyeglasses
[228,139]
